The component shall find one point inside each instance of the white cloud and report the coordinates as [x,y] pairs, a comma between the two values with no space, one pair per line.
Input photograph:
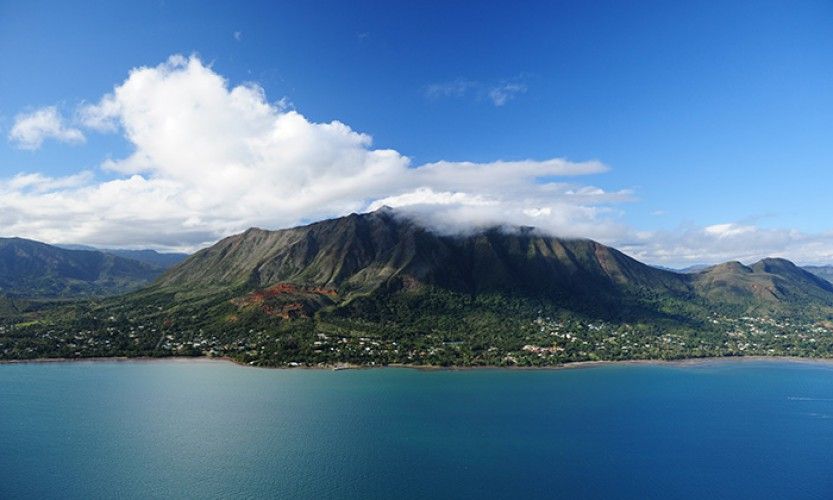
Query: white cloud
[31,129]
[457,196]
[427,196]
[40,183]
[497,93]
[100,117]
[501,94]
[729,241]
[453,88]
[210,159]
[728,230]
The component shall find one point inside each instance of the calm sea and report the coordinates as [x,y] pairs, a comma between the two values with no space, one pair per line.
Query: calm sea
[201,429]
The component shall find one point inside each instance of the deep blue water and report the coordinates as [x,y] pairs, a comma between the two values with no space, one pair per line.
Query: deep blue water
[211,429]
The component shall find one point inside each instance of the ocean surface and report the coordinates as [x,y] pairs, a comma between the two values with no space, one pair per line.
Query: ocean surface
[201,429]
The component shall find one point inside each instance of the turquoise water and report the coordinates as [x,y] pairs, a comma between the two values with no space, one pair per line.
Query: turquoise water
[211,429]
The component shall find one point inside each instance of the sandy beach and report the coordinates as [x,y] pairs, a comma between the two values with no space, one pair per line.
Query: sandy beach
[346,366]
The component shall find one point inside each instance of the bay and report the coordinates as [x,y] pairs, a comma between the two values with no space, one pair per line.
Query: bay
[209,429]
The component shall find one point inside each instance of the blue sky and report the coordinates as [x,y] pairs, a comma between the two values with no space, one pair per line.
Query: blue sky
[708,114]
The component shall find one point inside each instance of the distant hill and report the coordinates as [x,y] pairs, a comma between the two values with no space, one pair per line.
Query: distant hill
[767,282]
[164,260]
[33,269]
[696,268]
[825,272]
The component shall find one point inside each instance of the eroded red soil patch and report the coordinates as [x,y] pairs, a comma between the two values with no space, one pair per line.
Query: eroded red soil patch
[276,301]
[289,289]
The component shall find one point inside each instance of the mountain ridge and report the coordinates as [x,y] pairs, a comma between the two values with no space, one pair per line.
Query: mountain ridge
[34,269]
[364,251]
[165,260]
[378,246]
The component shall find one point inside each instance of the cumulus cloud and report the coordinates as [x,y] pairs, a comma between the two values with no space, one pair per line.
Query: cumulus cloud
[210,159]
[31,129]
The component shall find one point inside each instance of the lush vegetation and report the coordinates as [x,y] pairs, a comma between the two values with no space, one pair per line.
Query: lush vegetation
[430,326]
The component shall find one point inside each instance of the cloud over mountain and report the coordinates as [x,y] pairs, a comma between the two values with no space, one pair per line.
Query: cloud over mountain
[210,158]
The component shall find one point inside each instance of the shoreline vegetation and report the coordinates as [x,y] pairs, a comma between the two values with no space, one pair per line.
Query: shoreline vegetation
[347,366]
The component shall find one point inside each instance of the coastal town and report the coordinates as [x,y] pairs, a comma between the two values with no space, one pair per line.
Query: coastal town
[544,341]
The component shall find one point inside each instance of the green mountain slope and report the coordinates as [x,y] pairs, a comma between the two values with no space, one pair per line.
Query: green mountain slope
[32,269]
[362,253]
[824,272]
[765,284]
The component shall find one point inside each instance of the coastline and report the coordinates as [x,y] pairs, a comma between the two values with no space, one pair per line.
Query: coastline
[119,359]
[575,365]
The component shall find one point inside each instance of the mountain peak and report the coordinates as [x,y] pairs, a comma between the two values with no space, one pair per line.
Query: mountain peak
[732,266]
[774,263]
[361,252]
